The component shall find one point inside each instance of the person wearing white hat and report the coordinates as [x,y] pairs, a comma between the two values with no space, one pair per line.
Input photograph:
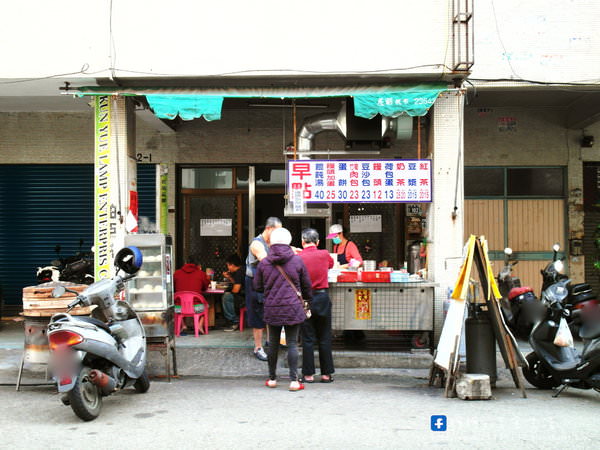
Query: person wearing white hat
[346,250]
[282,276]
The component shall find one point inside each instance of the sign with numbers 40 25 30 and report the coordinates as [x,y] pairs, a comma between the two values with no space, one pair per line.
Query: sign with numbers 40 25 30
[361,181]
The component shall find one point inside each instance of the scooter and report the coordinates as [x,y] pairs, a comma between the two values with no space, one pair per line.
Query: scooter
[519,305]
[581,301]
[77,268]
[553,363]
[92,357]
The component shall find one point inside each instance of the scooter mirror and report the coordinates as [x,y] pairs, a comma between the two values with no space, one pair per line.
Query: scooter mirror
[556,247]
[508,251]
[58,291]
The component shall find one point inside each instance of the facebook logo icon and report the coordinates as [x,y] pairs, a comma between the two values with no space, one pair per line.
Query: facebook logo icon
[438,423]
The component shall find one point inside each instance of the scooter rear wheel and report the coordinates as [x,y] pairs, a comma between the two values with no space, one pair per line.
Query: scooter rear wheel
[537,374]
[85,397]
[142,384]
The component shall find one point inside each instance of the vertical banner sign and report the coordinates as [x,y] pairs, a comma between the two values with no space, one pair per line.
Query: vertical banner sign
[164,208]
[131,222]
[361,181]
[299,205]
[362,304]
[102,160]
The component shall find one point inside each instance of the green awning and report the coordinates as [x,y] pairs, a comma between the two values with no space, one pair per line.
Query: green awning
[188,107]
[369,100]
[414,102]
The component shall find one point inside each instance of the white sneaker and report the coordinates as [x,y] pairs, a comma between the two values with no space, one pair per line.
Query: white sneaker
[260,354]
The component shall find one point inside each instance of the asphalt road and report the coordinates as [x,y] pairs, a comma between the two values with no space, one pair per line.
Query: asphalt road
[356,411]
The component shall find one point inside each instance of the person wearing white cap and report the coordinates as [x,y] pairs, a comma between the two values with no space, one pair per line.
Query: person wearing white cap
[282,276]
[346,250]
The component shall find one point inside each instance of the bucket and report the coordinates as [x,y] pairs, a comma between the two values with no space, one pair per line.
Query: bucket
[36,340]
[369,265]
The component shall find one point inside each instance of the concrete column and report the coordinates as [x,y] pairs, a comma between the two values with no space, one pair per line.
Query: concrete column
[446,214]
[575,206]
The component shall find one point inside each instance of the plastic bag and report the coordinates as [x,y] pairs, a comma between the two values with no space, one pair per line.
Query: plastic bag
[282,338]
[563,337]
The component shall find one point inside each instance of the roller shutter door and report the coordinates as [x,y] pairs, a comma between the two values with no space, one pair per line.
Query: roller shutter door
[146,179]
[41,206]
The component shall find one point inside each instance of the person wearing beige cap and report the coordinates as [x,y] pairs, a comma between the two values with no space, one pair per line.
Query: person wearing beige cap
[346,250]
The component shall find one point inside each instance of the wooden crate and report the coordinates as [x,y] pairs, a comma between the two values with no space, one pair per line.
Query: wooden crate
[38,300]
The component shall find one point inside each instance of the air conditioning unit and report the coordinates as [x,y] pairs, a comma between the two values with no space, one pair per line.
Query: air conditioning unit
[311,210]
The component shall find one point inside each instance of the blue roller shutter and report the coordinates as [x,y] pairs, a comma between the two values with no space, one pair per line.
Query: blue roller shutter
[41,206]
[146,179]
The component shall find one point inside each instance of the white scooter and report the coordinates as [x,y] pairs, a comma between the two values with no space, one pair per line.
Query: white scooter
[91,358]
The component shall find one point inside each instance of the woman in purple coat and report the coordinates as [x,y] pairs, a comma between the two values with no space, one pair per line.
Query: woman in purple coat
[282,307]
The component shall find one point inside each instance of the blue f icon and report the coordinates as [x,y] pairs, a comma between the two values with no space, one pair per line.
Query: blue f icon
[438,423]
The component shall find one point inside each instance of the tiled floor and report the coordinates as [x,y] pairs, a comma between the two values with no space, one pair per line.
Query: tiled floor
[218,338]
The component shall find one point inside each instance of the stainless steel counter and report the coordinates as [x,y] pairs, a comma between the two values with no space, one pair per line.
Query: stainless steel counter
[382,306]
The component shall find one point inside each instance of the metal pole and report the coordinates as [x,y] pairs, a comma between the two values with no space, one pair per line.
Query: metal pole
[251,202]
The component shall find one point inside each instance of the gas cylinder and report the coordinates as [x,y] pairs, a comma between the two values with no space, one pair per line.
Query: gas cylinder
[414,258]
[481,345]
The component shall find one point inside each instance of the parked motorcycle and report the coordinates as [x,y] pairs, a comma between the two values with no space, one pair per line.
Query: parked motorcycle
[91,357]
[552,363]
[77,268]
[581,301]
[520,307]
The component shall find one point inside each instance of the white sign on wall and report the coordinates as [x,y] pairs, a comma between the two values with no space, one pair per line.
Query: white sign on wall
[215,227]
[365,224]
[361,181]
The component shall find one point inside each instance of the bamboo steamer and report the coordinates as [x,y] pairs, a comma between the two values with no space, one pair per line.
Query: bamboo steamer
[38,300]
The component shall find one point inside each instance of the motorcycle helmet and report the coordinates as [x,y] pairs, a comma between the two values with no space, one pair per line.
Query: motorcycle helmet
[129,259]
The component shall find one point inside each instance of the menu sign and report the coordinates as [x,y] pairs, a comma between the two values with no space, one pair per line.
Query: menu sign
[361,181]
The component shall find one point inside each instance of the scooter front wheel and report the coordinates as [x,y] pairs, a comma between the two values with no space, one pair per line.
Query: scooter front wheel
[85,397]
[537,374]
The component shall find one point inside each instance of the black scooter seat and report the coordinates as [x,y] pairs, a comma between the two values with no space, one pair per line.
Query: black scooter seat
[96,322]
[581,297]
[567,365]
[590,331]
[579,288]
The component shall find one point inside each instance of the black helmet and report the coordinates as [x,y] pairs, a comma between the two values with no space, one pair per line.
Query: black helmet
[129,259]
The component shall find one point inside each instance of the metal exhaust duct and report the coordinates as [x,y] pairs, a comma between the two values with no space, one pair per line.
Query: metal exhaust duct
[321,122]
[338,122]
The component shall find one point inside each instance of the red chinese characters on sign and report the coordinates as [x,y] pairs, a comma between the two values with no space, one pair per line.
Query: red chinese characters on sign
[365,181]
[300,169]
[362,304]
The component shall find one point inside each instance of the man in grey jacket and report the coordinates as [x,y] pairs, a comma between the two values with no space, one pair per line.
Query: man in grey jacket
[259,249]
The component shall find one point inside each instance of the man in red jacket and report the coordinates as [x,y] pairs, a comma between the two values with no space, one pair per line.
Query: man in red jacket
[316,331]
[191,277]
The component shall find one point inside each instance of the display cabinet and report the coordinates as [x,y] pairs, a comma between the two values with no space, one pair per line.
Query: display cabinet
[152,288]
[150,293]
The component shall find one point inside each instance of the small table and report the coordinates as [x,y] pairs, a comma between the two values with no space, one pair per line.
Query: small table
[210,295]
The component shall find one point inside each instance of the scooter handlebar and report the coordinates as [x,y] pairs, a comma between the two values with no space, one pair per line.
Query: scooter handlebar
[128,277]
[73,304]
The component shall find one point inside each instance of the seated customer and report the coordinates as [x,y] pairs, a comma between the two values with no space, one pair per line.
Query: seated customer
[233,298]
[190,277]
